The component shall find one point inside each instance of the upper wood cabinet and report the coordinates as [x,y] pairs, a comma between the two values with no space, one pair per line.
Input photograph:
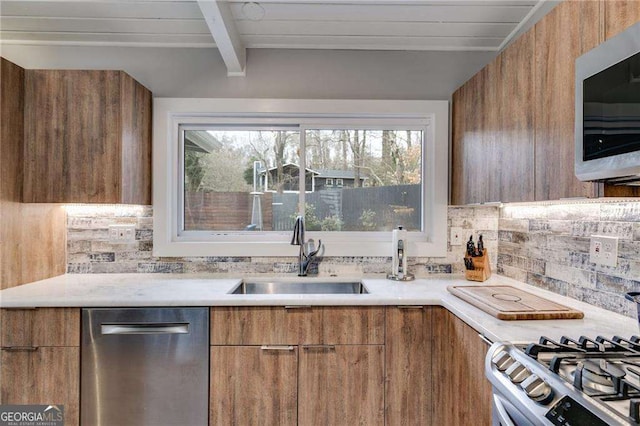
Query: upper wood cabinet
[32,236]
[513,122]
[87,138]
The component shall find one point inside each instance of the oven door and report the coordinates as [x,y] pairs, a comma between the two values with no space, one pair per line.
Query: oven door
[506,414]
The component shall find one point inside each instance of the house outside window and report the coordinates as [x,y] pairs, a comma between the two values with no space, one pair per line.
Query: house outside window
[241,176]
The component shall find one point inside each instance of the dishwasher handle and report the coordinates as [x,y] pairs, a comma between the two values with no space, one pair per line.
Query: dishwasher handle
[145,328]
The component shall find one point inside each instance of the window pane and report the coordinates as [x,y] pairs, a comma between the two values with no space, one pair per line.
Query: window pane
[240,180]
[364,180]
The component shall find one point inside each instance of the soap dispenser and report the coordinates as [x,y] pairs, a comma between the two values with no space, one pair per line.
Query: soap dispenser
[399,245]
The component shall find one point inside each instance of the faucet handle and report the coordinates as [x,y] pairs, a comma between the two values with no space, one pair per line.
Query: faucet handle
[312,252]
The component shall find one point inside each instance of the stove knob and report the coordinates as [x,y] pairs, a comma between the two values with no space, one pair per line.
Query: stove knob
[517,372]
[502,360]
[537,389]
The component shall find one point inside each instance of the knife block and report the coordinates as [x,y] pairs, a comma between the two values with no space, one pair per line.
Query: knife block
[482,270]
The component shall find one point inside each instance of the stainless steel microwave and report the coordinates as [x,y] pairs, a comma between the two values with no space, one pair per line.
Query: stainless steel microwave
[607,122]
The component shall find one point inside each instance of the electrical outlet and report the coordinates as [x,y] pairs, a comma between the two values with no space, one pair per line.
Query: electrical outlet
[603,250]
[122,233]
[456,237]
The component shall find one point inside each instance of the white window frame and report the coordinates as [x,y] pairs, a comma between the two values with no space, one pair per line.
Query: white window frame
[169,113]
[339,182]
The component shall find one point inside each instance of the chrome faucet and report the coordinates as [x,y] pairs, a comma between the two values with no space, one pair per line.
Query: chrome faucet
[307,252]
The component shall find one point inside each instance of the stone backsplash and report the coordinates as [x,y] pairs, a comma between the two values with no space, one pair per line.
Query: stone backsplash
[90,251]
[547,245]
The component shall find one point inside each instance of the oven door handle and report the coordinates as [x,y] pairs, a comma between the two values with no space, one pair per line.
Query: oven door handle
[500,415]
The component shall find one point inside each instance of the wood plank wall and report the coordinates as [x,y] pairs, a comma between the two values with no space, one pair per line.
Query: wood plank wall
[32,236]
[513,122]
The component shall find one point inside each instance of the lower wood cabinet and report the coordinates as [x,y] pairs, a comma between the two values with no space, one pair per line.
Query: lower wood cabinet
[40,358]
[253,385]
[461,392]
[408,361]
[341,385]
[398,365]
[47,376]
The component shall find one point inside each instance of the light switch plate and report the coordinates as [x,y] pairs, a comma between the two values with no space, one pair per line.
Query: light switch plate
[603,250]
[456,236]
[122,233]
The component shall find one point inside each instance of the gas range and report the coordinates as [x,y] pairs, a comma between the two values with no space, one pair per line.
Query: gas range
[566,382]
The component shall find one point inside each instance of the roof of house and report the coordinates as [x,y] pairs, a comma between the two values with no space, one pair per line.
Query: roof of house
[291,165]
[339,174]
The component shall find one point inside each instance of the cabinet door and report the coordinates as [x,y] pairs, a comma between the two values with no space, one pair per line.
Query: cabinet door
[341,385]
[258,325]
[408,399]
[458,364]
[46,375]
[253,385]
[40,327]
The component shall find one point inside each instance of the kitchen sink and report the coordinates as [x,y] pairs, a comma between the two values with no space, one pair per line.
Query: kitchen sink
[300,287]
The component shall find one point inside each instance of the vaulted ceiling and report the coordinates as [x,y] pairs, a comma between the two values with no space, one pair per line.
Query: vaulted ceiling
[234,25]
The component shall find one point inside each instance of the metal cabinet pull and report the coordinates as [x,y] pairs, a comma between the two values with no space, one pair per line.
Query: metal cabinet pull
[151,328]
[276,348]
[20,348]
[410,307]
[298,307]
[319,347]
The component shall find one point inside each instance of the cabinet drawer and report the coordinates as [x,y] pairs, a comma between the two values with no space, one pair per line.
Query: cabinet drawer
[353,325]
[44,376]
[273,325]
[40,327]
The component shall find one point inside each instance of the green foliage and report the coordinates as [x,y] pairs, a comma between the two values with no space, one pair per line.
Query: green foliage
[368,220]
[331,223]
[193,170]
[311,221]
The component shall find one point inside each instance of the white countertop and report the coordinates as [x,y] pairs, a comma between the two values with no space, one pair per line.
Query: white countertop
[137,290]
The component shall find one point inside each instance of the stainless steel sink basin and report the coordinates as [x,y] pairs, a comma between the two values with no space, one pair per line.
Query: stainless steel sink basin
[300,287]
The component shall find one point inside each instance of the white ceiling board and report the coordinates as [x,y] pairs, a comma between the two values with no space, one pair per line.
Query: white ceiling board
[102,39]
[412,29]
[351,25]
[474,12]
[103,9]
[104,25]
[374,43]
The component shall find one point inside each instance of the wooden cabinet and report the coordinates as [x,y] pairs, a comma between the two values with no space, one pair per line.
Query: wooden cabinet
[341,385]
[569,31]
[253,385]
[513,122]
[408,357]
[297,365]
[40,358]
[87,138]
[435,369]
[32,237]
[461,392]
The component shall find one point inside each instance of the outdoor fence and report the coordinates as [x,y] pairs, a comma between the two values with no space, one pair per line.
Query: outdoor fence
[350,209]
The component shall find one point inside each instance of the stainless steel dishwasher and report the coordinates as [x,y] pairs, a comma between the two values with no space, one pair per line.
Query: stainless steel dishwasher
[145,366]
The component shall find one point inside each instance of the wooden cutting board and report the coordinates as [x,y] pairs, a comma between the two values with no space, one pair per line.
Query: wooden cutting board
[509,303]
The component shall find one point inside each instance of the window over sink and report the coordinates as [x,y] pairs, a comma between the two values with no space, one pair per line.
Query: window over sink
[230,175]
